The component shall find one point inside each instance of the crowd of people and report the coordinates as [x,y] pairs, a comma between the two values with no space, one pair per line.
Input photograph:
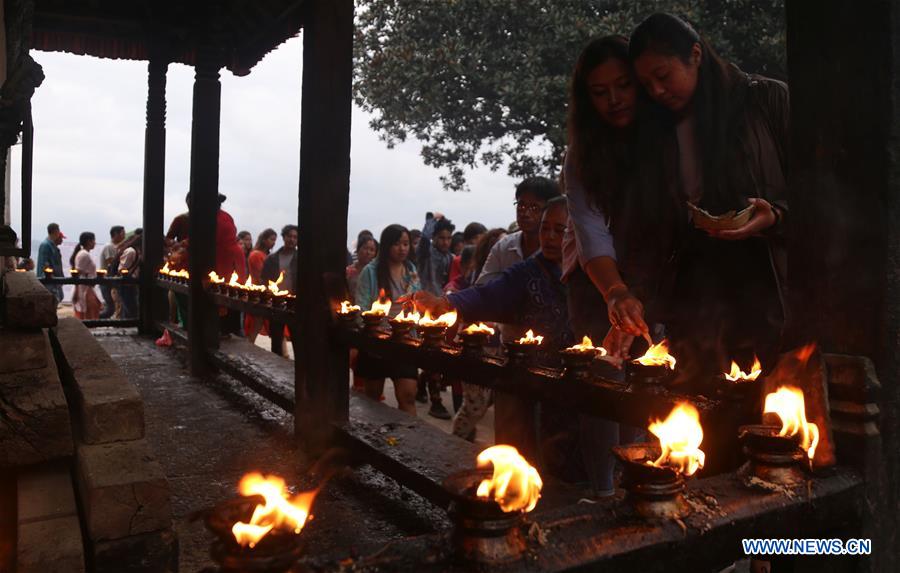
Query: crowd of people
[662,133]
[660,128]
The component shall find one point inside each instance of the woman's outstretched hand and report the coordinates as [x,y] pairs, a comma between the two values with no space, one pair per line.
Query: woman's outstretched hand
[763,217]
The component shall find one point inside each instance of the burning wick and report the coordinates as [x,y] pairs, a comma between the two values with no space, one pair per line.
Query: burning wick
[515,485]
[380,307]
[165,270]
[410,317]
[279,510]
[657,355]
[447,319]
[480,328]
[48,270]
[215,279]
[587,346]
[102,272]
[347,307]
[274,288]
[680,436]
[124,272]
[738,375]
[788,403]
[530,338]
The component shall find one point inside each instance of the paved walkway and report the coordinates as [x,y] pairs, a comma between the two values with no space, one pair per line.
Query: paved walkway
[484,430]
[208,433]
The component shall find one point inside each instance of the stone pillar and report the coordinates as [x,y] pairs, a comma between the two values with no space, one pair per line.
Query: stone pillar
[152,300]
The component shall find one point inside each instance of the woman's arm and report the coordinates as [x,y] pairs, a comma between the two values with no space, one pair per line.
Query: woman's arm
[772,104]
[364,290]
[597,255]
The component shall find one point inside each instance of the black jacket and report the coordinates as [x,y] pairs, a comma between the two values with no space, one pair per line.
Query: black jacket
[271,269]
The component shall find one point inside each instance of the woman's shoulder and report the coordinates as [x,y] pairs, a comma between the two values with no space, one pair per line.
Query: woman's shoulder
[767,94]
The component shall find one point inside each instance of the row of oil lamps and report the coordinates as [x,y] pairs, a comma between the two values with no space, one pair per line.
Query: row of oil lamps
[270,294]
[491,500]
[75,273]
[656,367]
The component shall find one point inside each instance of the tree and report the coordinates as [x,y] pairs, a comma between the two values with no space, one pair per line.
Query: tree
[486,81]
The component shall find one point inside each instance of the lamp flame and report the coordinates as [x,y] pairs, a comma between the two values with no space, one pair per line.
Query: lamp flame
[788,403]
[530,338]
[680,436]
[515,485]
[658,355]
[410,317]
[447,319]
[480,328]
[215,278]
[738,375]
[380,307]
[587,345]
[347,307]
[280,510]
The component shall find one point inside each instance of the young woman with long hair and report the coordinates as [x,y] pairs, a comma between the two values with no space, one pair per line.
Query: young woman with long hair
[254,325]
[598,176]
[393,273]
[366,251]
[85,300]
[715,138]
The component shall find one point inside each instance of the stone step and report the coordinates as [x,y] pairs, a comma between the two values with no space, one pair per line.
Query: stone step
[123,490]
[22,349]
[49,533]
[26,303]
[108,408]
[34,417]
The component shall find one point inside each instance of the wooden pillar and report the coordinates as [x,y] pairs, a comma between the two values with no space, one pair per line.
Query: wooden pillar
[152,300]
[844,233]
[321,384]
[203,205]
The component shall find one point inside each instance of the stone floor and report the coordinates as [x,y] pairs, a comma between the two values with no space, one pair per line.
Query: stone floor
[484,435]
[207,433]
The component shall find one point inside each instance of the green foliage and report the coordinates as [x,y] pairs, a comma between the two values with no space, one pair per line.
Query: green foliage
[486,81]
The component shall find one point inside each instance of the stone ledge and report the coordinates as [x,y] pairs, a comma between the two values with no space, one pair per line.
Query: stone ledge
[26,303]
[22,349]
[50,546]
[34,417]
[108,407]
[123,490]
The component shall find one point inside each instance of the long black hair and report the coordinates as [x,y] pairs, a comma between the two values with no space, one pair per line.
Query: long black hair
[602,159]
[261,240]
[390,236]
[718,97]
[83,240]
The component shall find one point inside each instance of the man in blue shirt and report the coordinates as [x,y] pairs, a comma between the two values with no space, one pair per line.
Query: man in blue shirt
[49,257]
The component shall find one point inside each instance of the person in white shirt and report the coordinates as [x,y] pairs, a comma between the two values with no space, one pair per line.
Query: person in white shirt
[109,262]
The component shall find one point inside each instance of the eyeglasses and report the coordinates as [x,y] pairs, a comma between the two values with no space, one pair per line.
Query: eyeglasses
[528,207]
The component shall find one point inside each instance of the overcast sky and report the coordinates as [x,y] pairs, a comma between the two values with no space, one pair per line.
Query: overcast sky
[89,118]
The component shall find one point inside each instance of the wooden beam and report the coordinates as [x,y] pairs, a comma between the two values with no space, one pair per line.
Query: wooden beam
[844,223]
[204,204]
[151,302]
[321,383]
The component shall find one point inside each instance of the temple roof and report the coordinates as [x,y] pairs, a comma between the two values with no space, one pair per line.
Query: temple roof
[245,30]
